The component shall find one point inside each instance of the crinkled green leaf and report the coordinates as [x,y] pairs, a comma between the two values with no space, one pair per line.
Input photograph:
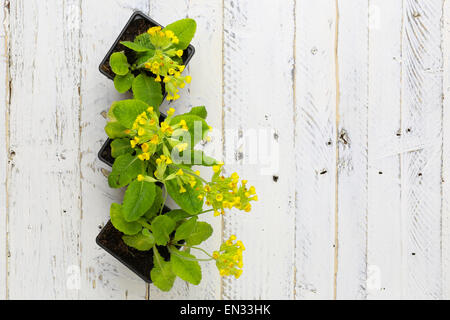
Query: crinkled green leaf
[185,266]
[188,201]
[143,40]
[185,229]
[125,168]
[162,274]
[201,232]
[156,206]
[126,111]
[115,130]
[119,63]
[123,83]
[118,221]
[143,241]
[120,147]
[185,30]
[138,199]
[145,88]
[199,111]
[162,227]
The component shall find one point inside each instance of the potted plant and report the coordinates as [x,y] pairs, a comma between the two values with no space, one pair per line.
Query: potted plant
[153,159]
[135,44]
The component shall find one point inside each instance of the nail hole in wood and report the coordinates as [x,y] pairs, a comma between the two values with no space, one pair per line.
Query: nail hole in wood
[275,178]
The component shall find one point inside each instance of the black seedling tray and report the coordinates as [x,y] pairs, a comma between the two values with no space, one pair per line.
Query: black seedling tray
[137,24]
[140,262]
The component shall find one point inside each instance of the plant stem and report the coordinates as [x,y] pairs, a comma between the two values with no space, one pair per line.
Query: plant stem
[165,199]
[174,252]
[197,214]
[202,251]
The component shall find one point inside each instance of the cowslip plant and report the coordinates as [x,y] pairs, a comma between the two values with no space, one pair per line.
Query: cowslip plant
[154,159]
[157,52]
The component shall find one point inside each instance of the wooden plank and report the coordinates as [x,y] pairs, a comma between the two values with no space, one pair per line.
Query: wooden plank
[446,153]
[44,192]
[102,276]
[4,143]
[352,59]
[315,145]
[205,89]
[384,243]
[422,137]
[258,102]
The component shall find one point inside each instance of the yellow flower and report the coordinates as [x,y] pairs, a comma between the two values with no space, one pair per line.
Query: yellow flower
[155,139]
[140,178]
[150,109]
[219,197]
[180,172]
[171,71]
[181,68]
[216,168]
[169,33]
[200,197]
[175,40]
[170,112]
[144,147]
[248,207]
[188,79]
[141,131]
[207,188]
[133,143]
[182,190]
[180,53]
[158,78]
[169,161]
[252,190]
[192,183]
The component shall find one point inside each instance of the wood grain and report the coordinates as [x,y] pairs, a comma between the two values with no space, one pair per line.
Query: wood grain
[422,135]
[43,192]
[384,238]
[4,145]
[258,96]
[315,149]
[352,162]
[445,228]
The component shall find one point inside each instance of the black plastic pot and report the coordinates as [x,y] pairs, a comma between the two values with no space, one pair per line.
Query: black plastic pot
[137,24]
[140,262]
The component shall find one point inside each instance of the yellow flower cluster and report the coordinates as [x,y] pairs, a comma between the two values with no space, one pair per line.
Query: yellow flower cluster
[162,64]
[185,178]
[225,193]
[229,258]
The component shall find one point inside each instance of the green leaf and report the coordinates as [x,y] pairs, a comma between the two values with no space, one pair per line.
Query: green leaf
[138,199]
[185,30]
[135,46]
[197,126]
[162,274]
[185,266]
[185,229]
[148,90]
[178,215]
[188,201]
[126,111]
[123,83]
[120,147]
[119,63]
[118,221]
[115,130]
[199,111]
[202,232]
[125,168]
[143,40]
[162,227]
[143,241]
[156,206]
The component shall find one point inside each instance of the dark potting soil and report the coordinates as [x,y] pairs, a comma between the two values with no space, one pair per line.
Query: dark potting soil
[140,262]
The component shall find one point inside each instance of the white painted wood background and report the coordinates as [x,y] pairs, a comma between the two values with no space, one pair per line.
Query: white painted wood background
[354,94]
